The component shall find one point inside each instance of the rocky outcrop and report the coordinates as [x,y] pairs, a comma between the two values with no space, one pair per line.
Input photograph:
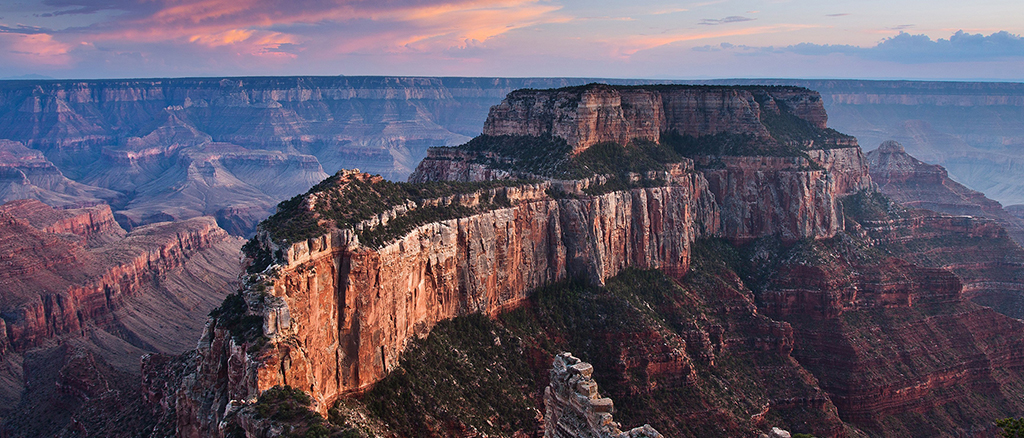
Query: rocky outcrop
[584,116]
[339,313]
[574,408]
[916,184]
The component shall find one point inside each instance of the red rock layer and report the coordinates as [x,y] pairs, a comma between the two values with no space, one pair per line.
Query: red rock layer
[896,345]
[92,223]
[340,313]
[764,196]
[592,114]
[54,285]
[916,184]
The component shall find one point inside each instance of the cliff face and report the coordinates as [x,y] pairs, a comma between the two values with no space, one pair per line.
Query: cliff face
[916,184]
[366,304]
[585,116]
[337,314]
[969,128]
[912,290]
[55,286]
[763,196]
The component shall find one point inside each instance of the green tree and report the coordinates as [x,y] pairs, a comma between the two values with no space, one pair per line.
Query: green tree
[1012,427]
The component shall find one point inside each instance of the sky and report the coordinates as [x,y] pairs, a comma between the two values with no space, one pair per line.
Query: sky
[869,39]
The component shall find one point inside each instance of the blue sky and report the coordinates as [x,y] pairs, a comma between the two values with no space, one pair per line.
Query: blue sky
[598,38]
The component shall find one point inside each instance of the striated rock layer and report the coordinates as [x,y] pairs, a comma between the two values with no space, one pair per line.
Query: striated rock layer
[336,314]
[916,184]
[588,115]
[342,312]
[890,334]
[81,301]
[54,285]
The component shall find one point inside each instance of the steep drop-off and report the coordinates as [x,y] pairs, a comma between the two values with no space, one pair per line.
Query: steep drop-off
[135,129]
[786,274]
[916,184]
[78,290]
[332,313]
[172,149]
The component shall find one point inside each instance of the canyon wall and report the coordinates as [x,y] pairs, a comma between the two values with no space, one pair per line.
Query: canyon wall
[341,313]
[916,184]
[27,174]
[972,129]
[55,286]
[82,300]
[144,146]
[117,140]
[337,314]
[584,116]
[940,352]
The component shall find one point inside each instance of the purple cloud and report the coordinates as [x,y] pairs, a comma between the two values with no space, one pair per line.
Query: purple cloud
[906,48]
[729,19]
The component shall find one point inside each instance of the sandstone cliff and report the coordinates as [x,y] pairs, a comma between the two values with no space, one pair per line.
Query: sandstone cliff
[336,313]
[592,114]
[368,303]
[78,289]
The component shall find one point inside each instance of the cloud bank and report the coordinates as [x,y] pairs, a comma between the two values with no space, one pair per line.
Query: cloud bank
[906,48]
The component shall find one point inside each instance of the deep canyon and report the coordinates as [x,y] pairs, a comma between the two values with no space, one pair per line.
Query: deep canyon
[725,260]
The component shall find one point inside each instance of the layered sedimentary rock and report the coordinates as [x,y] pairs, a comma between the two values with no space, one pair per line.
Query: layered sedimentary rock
[385,124]
[893,339]
[764,196]
[81,300]
[973,129]
[55,285]
[585,116]
[341,313]
[95,225]
[238,187]
[574,408]
[916,184]
[337,313]
[27,174]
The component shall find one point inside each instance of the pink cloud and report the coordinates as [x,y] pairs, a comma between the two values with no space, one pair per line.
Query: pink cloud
[625,47]
[39,48]
[221,22]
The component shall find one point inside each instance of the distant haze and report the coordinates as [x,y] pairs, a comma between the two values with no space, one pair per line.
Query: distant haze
[913,39]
